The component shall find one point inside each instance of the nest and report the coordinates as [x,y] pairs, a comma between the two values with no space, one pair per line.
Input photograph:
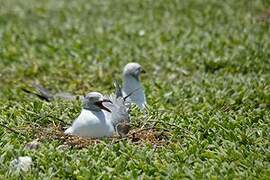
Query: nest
[138,136]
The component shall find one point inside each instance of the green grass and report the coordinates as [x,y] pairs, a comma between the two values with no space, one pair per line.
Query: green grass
[208,65]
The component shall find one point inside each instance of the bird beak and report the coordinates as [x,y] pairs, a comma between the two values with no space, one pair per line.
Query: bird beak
[101,106]
[106,100]
[143,71]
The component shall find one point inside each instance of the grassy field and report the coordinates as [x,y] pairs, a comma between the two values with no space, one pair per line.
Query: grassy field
[208,71]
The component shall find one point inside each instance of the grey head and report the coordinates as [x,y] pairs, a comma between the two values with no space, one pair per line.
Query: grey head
[94,101]
[133,70]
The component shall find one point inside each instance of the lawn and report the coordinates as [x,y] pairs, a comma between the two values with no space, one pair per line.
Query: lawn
[208,75]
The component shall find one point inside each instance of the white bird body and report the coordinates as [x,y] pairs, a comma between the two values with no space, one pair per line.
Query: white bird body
[132,85]
[94,124]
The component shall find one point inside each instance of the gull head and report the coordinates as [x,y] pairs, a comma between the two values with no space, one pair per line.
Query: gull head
[133,70]
[94,101]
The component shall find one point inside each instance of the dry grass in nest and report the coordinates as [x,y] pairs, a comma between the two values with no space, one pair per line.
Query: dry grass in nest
[136,136]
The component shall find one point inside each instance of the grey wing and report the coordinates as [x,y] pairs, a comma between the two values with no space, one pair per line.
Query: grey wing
[45,94]
[40,92]
[118,109]
[43,91]
[119,114]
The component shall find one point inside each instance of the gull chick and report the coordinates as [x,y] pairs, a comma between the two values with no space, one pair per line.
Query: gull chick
[94,120]
[132,85]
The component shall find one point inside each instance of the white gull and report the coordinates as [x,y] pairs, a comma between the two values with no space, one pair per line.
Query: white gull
[132,85]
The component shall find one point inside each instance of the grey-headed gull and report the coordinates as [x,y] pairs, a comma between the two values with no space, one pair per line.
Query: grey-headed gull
[101,116]
[94,120]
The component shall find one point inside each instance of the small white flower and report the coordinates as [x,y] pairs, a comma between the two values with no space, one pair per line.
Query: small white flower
[141,33]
